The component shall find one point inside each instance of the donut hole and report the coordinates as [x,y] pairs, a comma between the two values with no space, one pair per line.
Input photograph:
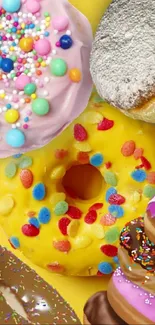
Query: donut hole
[13,301]
[83,181]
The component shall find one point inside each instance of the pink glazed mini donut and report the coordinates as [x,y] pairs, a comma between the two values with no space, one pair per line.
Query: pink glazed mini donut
[44,72]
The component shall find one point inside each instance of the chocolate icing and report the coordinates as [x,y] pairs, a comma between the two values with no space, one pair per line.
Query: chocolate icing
[41,302]
[134,239]
[99,312]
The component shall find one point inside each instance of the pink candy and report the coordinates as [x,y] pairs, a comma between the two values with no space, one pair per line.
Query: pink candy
[43,47]
[60,23]
[22,81]
[33,6]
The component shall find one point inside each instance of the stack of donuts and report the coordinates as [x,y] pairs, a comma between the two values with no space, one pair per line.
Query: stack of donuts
[130,297]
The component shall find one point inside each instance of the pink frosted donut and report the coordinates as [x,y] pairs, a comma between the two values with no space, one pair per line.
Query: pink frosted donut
[52,54]
[133,304]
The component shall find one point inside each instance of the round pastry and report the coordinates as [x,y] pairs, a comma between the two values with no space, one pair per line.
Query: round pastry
[64,205]
[41,302]
[45,81]
[122,60]
[98,311]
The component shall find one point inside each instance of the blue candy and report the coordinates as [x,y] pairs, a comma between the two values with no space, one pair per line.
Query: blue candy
[15,242]
[11,5]
[97,160]
[44,215]
[18,155]
[15,138]
[109,192]
[105,268]
[116,211]
[34,221]
[139,175]
[7,65]
[66,42]
[39,192]
[116,260]
[0,62]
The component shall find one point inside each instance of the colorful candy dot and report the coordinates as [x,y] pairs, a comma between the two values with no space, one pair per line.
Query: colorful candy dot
[11,5]
[65,42]
[149,191]
[139,175]
[58,67]
[26,178]
[44,215]
[26,44]
[30,89]
[10,170]
[7,65]
[62,245]
[15,242]
[128,148]
[60,23]
[39,192]
[72,228]
[97,160]
[43,47]
[105,268]
[96,206]
[61,208]
[110,192]
[63,224]
[151,177]
[109,250]
[75,75]
[34,221]
[22,81]
[30,230]
[6,205]
[105,125]
[33,6]
[15,138]
[11,116]
[112,235]
[116,210]
[108,220]
[80,133]
[110,178]
[74,212]
[90,217]
[25,162]
[116,199]
[40,106]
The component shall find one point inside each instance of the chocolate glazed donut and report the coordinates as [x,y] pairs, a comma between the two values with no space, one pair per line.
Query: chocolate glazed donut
[41,302]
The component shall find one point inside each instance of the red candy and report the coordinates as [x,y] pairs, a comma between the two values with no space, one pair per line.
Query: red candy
[108,165]
[30,231]
[26,178]
[105,125]
[138,153]
[90,217]
[96,206]
[80,133]
[63,224]
[108,220]
[151,178]
[128,148]
[146,164]
[116,199]
[61,153]
[109,250]
[74,212]
[62,245]
[56,267]
[99,273]
[83,157]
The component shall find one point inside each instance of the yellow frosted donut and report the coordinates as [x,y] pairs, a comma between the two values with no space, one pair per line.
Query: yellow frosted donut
[64,205]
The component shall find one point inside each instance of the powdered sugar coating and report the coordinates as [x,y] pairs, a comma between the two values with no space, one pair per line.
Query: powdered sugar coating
[123,55]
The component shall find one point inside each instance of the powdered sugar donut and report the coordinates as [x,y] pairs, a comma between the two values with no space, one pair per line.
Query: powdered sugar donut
[44,78]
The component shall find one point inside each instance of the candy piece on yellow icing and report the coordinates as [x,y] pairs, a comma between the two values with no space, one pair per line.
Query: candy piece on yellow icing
[136,197]
[82,242]
[25,162]
[57,197]
[10,170]
[6,205]
[72,228]
[83,146]
[92,117]
[98,231]
[112,235]
[58,172]
[149,191]
[110,178]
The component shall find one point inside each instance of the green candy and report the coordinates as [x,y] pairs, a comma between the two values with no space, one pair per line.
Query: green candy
[30,89]
[25,162]
[149,191]
[110,178]
[40,106]
[10,170]
[61,208]
[14,58]
[112,235]
[58,67]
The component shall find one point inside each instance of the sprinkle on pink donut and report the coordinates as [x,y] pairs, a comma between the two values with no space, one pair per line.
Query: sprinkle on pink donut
[60,23]
[22,81]
[43,47]
[33,6]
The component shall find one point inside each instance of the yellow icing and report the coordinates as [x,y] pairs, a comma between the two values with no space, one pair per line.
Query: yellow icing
[89,183]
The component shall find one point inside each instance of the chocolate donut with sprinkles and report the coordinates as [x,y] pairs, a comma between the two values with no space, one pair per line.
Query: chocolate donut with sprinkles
[41,303]
[44,57]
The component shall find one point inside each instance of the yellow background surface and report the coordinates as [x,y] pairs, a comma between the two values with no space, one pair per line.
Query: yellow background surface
[74,290]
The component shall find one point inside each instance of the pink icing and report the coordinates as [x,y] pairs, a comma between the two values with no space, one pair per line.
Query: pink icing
[141,300]
[151,208]
[67,99]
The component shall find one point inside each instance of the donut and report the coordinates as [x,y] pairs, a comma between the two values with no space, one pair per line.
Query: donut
[64,205]
[40,301]
[98,311]
[122,65]
[45,81]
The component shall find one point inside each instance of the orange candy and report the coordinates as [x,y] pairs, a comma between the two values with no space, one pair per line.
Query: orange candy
[128,148]
[62,245]
[26,44]
[75,75]
[26,178]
